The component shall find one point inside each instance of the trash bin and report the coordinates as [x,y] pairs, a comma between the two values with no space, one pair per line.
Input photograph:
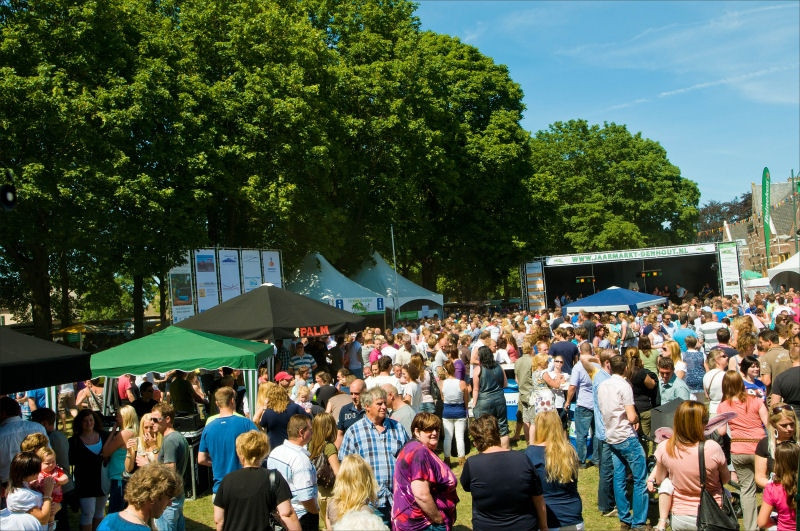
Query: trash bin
[511,392]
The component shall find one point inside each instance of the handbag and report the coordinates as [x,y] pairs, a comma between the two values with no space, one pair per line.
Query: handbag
[710,516]
[275,521]
[325,476]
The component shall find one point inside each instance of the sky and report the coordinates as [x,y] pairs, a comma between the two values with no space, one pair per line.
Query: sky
[716,83]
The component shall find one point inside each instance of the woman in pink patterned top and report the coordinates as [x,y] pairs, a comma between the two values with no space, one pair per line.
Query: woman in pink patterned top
[746,430]
[424,486]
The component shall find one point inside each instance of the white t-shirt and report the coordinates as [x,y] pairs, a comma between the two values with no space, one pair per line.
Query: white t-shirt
[415,391]
[712,384]
[612,397]
[381,379]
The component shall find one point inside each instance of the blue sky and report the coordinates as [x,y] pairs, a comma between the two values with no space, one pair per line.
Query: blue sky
[716,83]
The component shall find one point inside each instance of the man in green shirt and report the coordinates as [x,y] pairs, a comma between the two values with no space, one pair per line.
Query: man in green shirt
[671,386]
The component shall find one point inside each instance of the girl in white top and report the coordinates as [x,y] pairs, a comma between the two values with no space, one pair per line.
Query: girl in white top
[717,361]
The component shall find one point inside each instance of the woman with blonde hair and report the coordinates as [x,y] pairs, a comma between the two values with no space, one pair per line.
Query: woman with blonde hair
[783,426]
[278,409]
[143,450]
[116,452]
[246,495]
[556,464]
[323,436]
[746,430]
[672,349]
[355,488]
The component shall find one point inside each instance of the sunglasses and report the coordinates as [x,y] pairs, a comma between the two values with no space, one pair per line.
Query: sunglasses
[778,409]
[156,419]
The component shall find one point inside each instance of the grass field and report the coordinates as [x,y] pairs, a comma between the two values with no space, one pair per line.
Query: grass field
[200,513]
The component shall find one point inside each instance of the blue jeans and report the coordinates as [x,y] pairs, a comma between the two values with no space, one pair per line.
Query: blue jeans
[584,419]
[605,464]
[630,452]
[427,407]
[172,518]
[116,502]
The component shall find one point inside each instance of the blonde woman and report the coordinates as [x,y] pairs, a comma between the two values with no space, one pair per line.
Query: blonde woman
[672,349]
[116,452]
[261,401]
[323,436]
[143,449]
[355,488]
[243,498]
[277,412]
[556,464]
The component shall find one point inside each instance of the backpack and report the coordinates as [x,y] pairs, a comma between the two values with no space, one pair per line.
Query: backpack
[436,393]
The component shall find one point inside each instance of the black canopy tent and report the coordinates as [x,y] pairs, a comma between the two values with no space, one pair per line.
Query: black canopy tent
[270,312]
[31,363]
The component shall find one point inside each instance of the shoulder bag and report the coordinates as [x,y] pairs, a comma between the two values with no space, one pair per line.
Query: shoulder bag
[325,476]
[276,523]
[710,517]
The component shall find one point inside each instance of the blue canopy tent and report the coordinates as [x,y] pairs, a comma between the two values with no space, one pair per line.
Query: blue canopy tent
[615,299]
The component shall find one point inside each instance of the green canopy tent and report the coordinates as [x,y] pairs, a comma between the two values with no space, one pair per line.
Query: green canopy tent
[186,350]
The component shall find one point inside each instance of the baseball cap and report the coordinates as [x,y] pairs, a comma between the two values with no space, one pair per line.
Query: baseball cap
[283,375]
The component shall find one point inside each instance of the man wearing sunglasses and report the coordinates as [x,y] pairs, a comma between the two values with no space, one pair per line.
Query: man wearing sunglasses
[175,454]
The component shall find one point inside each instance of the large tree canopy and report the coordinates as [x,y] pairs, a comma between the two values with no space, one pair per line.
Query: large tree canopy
[604,188]
[137,130]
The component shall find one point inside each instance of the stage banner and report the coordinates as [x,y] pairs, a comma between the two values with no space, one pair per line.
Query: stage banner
[729,269]
[534,281]
[251,269]
[271,264]
[229,274]
[180,291]
[205,267]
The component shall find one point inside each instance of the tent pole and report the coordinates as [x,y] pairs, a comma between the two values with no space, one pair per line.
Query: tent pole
[395,310]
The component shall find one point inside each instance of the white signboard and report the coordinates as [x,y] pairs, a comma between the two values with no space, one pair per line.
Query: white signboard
[729,269]
[631,254]
[271,263]
[229,275]
[180,291]
[205,266]
[251,269]
[361,305]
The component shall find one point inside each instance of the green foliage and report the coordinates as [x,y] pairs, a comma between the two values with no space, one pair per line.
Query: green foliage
[138,130]
[604,188]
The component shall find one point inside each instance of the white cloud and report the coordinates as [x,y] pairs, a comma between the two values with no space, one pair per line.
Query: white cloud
[746,50]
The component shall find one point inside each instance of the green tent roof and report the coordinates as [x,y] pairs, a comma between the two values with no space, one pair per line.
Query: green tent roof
[749,274]
[179,348]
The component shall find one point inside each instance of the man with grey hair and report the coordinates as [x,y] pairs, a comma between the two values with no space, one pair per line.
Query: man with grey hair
[377,439]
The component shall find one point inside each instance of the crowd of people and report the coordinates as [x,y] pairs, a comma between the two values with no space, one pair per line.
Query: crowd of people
[372,430]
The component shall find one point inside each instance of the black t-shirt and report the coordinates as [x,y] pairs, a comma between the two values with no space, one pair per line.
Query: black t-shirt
[643,398]
[247,499]
[568,352]
[762,450]
[787,385]
[501,484]
[324,394]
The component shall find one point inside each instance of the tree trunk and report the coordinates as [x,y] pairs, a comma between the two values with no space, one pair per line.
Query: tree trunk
[37,276]
[63,272]
[162,300]
[428,271]
[138,306]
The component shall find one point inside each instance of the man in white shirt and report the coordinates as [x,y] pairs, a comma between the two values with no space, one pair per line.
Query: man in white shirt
[291,460]
[615,399]
[388,348]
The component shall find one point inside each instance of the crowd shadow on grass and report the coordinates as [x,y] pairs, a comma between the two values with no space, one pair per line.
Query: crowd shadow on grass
[192,525]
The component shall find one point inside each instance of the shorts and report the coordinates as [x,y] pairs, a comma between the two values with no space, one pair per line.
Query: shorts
[528,413]
[66,401]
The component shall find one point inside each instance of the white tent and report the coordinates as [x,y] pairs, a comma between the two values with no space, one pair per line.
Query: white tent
[379,276]
[787,272]
[318,279]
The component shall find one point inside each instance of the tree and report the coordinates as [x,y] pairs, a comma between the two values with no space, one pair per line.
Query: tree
[713,214]
[603,188]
